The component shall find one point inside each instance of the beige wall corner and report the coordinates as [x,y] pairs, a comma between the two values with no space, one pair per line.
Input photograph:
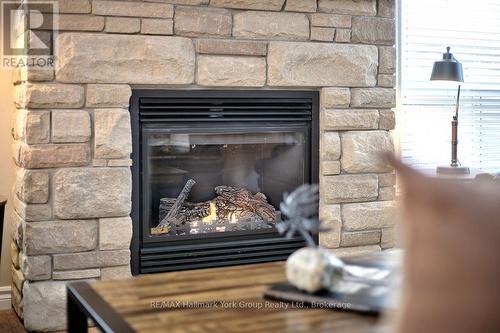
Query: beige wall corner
[6,168]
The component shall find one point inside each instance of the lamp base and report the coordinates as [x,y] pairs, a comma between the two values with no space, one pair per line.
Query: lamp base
[453,170]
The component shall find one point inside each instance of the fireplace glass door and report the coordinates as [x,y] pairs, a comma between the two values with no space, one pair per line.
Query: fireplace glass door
[210,168]
[212,179]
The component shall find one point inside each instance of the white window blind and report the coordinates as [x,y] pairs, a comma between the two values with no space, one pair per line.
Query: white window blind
[472,29]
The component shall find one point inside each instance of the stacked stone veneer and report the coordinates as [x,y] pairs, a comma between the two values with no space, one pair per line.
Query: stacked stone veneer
[72,127]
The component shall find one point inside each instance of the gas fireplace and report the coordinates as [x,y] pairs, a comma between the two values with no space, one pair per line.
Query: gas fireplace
[209,170]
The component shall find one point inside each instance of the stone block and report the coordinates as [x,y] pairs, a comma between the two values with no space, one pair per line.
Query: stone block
[386,179]
[18,122]
[70,126]
[275,5]
[38,75]
[329,216]
[320,64]
[343,35]
[354,7]
[386,8]
[77,274]
[17,147]
[49,95]
[308,6]
[386,193]
[361,151]
[201,21]
[34,126]
[330,20]
[92,192]
[16,301]
[14,254]
[83,260]
[76,22]
[355,251]
[322,34]
[183,2]
[126,162]
[231,47]
[134,9]
[32,74]
[74,6]
[115,233]
[16,229]
[53,155]
[108,95]
[124,59]
[349,188]
[117,272]
[60,236]
[31,212]
[99,162]
[349,119]
[388,239]
[124,25]
[329,146]
[32,186]
[368,215]
[387,120]
[157,26]
[269,25]
[43,301]
[387,59]
[386,80]
[373,30]
[335,98]
[373,97]
[358,238]
[17,277]
[112,133]
[224,71]
[36,268]
[329,168]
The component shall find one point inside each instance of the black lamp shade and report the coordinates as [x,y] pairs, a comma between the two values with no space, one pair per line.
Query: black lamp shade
[448,69]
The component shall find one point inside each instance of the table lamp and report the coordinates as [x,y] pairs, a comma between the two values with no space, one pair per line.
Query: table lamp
[449,69]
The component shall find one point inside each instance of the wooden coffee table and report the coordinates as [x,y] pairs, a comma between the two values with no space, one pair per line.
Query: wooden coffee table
[225,299]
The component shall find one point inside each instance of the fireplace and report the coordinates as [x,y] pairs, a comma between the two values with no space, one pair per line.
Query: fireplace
[73,134]
[209,170]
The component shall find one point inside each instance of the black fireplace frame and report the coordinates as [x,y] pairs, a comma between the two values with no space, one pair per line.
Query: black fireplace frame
[160,254]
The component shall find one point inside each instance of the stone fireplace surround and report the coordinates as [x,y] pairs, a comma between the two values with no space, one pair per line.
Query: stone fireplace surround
[72,194]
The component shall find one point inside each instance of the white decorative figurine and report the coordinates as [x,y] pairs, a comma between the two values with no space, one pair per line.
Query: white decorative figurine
[310,268]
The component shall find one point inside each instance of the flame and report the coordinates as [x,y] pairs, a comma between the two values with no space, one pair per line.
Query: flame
[212,216]
[231,217]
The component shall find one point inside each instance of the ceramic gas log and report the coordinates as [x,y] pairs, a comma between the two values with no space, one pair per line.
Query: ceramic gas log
[232,209]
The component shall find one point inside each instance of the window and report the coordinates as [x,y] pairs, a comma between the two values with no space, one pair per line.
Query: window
[472,29]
